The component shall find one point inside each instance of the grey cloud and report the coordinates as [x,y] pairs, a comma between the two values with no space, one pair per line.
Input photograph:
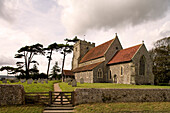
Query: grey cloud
[5,12]
[80,16]
[6,60]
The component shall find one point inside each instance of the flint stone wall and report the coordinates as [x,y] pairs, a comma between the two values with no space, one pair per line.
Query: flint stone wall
[95,95]
[11,94]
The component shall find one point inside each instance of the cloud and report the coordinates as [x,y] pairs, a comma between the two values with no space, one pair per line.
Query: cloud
[79,16]
[165,30]
[4,60]
[7,9]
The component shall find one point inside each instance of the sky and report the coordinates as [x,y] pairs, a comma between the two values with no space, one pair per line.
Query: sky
[27,22]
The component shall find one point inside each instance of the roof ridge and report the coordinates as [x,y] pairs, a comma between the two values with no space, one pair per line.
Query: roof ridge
[131,47]
[99,53]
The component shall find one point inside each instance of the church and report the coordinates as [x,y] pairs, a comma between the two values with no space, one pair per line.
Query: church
[110,63]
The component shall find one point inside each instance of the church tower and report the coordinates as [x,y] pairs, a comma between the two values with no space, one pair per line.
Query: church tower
[80,49]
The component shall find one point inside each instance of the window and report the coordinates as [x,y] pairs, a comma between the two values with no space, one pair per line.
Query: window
[109,75]
[142,66]
[115,79]
[116,48]
[121,71]
[76,49]
[100,73]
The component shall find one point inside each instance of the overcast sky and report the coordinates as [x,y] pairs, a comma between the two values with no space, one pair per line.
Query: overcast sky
[27,22]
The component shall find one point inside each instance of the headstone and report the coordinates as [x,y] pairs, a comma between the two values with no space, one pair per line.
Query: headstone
[4,81]
[35,81]
[53,78]
[39,80]
[74,83]
[16,80]
[68,80]
[29,81]
[81,81]
[46,81]
[42,81]
[23,80]
[69,83]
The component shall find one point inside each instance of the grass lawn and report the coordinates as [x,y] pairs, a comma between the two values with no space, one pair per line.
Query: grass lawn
[146,107]
[21,109]
[39,87]
[66,87]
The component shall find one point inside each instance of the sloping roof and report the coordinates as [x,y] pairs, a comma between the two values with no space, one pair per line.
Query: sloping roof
[68,72]
[124,55]
[86,68]
[96,52]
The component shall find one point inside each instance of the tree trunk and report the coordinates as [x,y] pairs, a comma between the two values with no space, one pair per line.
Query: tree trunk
[62,74]
[49,62]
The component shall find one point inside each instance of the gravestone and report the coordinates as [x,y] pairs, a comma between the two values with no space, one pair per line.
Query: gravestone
[68,80]
[53,78]
[69,83]
[81,81]
[29,81]
[35,81]
[4,81]
[39,80]
[46,81]
[42,81]
[23,80]
[74,83]
[16,80]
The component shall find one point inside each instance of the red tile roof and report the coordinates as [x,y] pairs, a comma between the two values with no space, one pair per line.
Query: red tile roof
[97,51]
[124,54]
[68,72]
[86,68]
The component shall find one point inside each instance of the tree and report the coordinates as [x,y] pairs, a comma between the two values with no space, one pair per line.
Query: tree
[34,72]
[51,48]
[10,70]
[28,52]
[55,71]
[160,55]
[66,49]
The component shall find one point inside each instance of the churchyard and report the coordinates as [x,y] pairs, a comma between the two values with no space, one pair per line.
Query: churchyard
[65,87]
[44,86]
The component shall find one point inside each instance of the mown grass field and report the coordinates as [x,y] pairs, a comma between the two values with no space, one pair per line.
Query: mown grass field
[146,107]
[66,87]
[39,87]
[22,109]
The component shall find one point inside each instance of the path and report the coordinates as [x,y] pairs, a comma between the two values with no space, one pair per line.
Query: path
[58,108]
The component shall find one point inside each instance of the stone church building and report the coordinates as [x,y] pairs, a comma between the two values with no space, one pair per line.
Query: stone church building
[110,63]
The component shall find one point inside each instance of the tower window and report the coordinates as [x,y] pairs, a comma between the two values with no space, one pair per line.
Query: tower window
[142,66]
[87,48]
[116,48]
[100,73]
[76,49]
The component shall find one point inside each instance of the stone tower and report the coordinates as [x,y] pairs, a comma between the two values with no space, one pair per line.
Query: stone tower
[80,49]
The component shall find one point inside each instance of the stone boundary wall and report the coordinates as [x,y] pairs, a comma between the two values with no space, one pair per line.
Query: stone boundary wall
[11,95]
[94,95]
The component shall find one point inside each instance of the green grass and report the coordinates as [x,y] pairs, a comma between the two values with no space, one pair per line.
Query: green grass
[147,107]
[21,109]
[39,87]
[66,87]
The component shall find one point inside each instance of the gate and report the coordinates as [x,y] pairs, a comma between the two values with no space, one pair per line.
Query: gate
[61,98]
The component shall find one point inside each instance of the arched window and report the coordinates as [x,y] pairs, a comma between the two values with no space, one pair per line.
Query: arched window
[121,70]
[115,79]
[109,75]
[100,73]
[142,66]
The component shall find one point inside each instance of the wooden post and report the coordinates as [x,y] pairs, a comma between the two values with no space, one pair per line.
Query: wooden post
[61,98]
[72,98]
[50,97]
